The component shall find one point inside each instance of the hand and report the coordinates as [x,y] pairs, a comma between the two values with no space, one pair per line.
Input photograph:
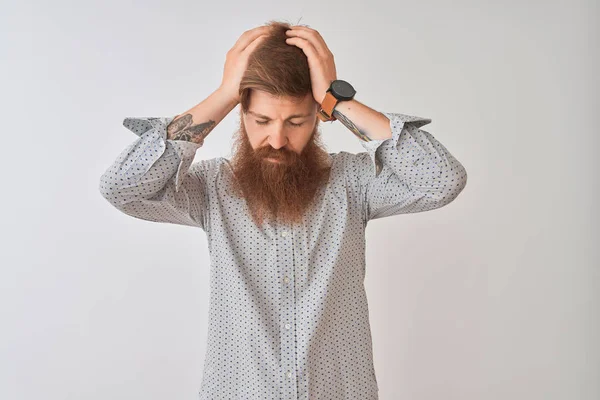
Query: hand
[236,61]
[320,59]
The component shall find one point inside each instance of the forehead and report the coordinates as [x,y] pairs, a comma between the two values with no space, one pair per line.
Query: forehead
[275,107]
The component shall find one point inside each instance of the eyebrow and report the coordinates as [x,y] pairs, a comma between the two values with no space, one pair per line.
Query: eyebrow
[288,118]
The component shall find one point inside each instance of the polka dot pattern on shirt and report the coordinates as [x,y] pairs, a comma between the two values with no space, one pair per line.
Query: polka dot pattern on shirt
[288,313]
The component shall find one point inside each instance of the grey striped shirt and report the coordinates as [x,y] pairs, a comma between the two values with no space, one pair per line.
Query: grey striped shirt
[288,314]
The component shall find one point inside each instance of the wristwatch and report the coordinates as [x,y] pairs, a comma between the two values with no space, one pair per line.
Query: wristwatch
[339,90]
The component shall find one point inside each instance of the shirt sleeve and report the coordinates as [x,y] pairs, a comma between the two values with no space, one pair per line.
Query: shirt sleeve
[407,173]
[154,178]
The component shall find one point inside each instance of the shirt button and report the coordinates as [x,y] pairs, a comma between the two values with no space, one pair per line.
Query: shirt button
[286,279]
[289,374]
[284,233]
[287,326]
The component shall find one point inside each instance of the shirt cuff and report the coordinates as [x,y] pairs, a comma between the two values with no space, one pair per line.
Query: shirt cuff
[400,138]
[154,131]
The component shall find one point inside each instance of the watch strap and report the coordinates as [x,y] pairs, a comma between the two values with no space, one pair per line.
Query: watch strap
[327,106]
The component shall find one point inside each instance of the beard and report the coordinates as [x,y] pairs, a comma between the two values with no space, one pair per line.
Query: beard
[278,190]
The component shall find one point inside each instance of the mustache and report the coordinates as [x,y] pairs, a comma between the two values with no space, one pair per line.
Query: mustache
[281,154]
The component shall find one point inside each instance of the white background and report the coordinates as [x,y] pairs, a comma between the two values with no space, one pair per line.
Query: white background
[494,296]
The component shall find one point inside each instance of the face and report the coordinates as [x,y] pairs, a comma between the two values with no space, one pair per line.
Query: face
[277,126]
[279,162]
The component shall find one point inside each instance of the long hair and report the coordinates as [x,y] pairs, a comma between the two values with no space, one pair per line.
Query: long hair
[281,70]
[276,67]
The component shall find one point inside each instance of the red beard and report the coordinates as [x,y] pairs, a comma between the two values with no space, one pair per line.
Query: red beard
[282,189]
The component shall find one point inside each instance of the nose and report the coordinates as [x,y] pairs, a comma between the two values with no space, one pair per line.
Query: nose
[278,139]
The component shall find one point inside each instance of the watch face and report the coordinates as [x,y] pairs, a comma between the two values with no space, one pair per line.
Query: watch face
[342,90]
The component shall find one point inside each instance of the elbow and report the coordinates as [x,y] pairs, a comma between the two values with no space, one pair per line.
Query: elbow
[104,187]
[456,176]
[453,186]
[110,191]
[107,192]
[458,183]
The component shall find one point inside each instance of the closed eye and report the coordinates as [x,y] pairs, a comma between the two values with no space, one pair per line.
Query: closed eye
[291,123]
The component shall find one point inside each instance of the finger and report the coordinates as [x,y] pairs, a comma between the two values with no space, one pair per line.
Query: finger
[306,46]
[248,37]
[309,31]
[250,48]
[312,36]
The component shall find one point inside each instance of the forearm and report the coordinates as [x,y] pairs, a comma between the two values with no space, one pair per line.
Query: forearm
[197,122]
[366,123]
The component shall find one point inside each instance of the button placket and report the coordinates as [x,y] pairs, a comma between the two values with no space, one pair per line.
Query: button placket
[285,263]
[301,265]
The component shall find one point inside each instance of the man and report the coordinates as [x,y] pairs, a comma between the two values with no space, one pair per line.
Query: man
[285,220]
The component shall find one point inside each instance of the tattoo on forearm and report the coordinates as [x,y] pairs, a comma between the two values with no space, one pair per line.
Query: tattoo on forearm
[181,128]
[350,125]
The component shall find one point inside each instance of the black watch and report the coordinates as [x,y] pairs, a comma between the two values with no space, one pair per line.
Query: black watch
[339,90]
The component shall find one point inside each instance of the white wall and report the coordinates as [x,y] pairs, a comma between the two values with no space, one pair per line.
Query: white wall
[494,296]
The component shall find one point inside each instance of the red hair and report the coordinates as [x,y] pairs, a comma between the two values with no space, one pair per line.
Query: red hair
[276,67]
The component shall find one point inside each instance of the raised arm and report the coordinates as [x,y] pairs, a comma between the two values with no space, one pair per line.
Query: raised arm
[405,169]
[153,178]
